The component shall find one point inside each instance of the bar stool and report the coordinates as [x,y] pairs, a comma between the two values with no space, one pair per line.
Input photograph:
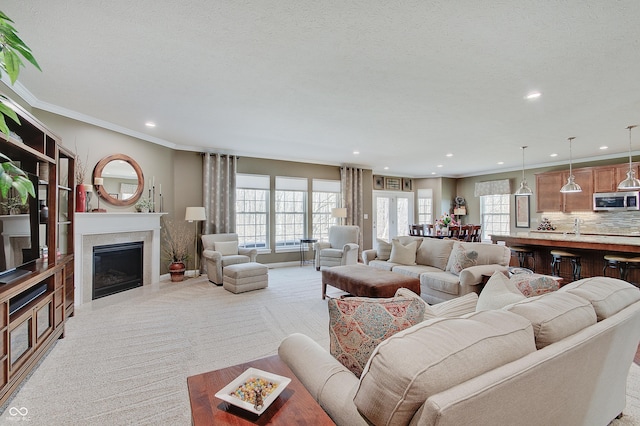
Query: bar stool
[614,261]
[632,263]
[558,255]
[523,253]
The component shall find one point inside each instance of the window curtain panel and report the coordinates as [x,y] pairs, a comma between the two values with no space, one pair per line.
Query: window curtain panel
[351,185]
[219,193]
[493,187]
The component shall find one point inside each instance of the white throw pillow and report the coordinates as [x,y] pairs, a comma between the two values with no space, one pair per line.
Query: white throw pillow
[498,292]
[383,250]
[453,308]
[404,255]
[226,248]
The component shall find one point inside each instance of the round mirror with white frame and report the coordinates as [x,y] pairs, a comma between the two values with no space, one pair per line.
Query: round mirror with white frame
[122,180]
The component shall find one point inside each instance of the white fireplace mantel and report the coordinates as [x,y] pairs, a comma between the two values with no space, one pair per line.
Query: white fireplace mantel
[103,228]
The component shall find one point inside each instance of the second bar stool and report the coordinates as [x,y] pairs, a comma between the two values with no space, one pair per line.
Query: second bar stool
[614,261]
[523,253]
[558,255]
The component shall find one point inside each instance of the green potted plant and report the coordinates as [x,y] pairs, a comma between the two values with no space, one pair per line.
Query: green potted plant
[144,205]
[175,245]
[11,48]
[12,205]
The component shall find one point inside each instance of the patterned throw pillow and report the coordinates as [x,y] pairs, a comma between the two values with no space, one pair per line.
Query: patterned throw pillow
[463,259]
[534,284]
[383,249]
[358,324]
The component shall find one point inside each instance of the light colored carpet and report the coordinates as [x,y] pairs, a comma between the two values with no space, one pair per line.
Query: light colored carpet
[125,358]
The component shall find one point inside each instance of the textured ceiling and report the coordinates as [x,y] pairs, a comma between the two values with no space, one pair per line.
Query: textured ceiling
[402,82]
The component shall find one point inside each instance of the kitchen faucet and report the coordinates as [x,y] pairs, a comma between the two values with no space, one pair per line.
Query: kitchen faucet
[576,226]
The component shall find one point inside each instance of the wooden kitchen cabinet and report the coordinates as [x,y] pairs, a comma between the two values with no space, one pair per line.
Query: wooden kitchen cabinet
[579,201]
[550,199]
[607,178]
[548,195]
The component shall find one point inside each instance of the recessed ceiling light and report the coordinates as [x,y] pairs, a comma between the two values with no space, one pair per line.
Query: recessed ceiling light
[533,95]
[500,162]
[433,173]
[356,152]
[386,167]
[150,124]
[604,147]
[449,155]
[439,165]
[553,155]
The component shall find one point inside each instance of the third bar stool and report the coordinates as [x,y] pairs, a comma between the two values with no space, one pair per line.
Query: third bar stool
[558,255]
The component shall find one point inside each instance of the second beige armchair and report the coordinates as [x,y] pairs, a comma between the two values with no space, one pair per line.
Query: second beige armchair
[220,250]
[341,249]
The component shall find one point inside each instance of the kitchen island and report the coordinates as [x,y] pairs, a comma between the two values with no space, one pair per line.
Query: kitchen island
[592,249]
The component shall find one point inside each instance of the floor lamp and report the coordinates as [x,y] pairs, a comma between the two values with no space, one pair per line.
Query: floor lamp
[195,214]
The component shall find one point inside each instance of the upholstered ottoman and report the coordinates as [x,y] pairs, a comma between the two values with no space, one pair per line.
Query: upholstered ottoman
[367,281]
[243,277]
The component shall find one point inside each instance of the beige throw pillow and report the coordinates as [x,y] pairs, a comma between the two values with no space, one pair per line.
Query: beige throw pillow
[226,248]
[498,292]
[383,249]
[404,255]
[453,308]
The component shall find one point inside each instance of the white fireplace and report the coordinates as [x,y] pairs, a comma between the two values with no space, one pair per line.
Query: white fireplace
[97,229]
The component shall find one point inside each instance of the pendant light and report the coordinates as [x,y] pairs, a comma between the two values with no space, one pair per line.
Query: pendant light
[524,188]
[571,185]
[631,182]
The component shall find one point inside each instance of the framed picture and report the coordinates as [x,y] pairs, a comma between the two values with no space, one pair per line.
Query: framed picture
[392,183]
[378,182]
[523,219]
[407,184]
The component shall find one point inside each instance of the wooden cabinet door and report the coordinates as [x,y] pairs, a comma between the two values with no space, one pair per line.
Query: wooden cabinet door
[548,195]
[605,179]
[580,201]
[621,173]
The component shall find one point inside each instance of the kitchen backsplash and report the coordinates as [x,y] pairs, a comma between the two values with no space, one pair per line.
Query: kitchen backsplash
[613,223]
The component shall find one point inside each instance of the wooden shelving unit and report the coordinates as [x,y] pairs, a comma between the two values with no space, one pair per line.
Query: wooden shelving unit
[34,308]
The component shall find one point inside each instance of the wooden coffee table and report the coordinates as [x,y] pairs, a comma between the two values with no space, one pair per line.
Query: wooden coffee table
[294,405]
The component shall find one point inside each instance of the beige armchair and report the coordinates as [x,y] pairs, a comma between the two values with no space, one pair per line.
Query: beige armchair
[341,249]
[220,250]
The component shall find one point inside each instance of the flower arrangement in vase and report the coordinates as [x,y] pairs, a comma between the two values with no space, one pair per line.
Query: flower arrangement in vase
[446,221]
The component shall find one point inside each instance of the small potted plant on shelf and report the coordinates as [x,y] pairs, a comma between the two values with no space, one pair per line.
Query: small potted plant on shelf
[176,242]
[144,205]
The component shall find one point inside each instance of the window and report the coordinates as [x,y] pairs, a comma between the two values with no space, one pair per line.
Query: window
[494,212]
[291,211]
[252,211]
[425,206]
[325,196]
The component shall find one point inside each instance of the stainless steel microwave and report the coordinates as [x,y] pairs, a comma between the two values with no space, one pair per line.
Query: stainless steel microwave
[607,201]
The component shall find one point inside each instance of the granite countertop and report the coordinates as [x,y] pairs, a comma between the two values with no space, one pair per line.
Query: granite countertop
[587,238]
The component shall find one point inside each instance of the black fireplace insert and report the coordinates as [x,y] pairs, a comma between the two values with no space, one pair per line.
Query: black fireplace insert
[116,268]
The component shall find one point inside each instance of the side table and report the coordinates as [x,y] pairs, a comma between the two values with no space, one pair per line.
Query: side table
[294,405]
[305,244]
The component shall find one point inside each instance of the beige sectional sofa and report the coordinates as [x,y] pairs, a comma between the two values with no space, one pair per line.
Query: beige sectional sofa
[434,265]
[561,358]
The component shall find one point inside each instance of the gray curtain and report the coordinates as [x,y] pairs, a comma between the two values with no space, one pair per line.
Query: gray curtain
[219,193]
[352,197]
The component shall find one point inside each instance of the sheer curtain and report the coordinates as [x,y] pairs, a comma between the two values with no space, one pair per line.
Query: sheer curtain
[219,192]
[352,197]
